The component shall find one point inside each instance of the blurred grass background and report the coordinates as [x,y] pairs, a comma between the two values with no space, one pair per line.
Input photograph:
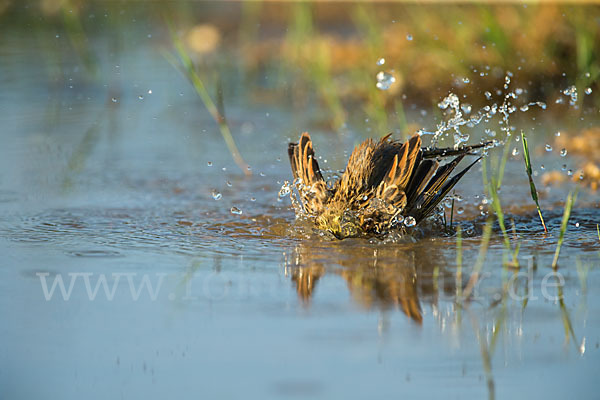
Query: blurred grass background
[325,54]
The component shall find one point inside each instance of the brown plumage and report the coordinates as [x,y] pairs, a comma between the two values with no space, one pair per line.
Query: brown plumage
[385,182]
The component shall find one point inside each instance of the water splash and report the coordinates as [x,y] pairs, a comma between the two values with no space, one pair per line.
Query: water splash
[456,115]
[287,190]
[571,91]
[385,80]
[409,222]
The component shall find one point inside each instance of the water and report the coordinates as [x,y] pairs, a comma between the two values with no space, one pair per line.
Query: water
[214,290]
[385,80]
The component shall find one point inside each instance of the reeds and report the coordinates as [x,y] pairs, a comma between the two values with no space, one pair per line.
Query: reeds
[497,207]
[483,247]
[532,188]
[568,326]
[189,71]
[571,198]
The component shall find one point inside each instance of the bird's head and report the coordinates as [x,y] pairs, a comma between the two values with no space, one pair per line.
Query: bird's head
[341,223]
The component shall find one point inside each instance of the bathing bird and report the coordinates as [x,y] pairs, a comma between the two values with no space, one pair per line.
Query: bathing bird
[387,184]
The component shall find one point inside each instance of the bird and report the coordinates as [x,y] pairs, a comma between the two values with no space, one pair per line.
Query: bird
[386,185]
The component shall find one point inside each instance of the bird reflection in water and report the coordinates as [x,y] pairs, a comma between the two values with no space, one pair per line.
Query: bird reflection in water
[378,277]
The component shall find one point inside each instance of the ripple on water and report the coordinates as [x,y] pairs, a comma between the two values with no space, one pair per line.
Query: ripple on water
[94,253]
[104,233]
[109,233]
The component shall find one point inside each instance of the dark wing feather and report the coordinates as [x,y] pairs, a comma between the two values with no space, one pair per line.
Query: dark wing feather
[434,198]
[421,176]
[432,187]
[449,152]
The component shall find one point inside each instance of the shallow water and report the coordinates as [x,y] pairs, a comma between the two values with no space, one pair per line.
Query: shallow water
[200,301]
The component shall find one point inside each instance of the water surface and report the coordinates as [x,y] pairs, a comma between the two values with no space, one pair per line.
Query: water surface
[125,179]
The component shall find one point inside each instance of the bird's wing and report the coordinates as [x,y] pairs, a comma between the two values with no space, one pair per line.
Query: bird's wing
[437,188]
[314,192]
[429,152]
[393,187]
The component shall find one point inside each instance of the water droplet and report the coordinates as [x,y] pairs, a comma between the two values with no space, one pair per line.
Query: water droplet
[515,152]
[252,198]
[570,172]
[576,224]
[216,195]
[542,167]
[228,183]
[557,134]
[384,80]
[149,91]
[488,95]
[548,147]
[114,100]
[466,108]
[409,221]
[284,191]
[381,61]
[563,152]
[409,37]
[466,80]
[588,90]
[235,210]
[141,97]
[209,163]
[524,108]
[571,91]
[460,210]
[564,167]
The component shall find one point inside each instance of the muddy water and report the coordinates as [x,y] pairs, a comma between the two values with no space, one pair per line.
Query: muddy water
[125,272]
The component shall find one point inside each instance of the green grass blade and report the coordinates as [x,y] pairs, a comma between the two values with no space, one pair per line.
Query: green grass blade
[485,241]
[458,283]
[497,207]
[532,188]
[458,262]
[503,161]
[190,72]
[563,227]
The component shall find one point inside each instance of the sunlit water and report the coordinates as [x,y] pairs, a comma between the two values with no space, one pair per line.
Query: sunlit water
[212,290]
